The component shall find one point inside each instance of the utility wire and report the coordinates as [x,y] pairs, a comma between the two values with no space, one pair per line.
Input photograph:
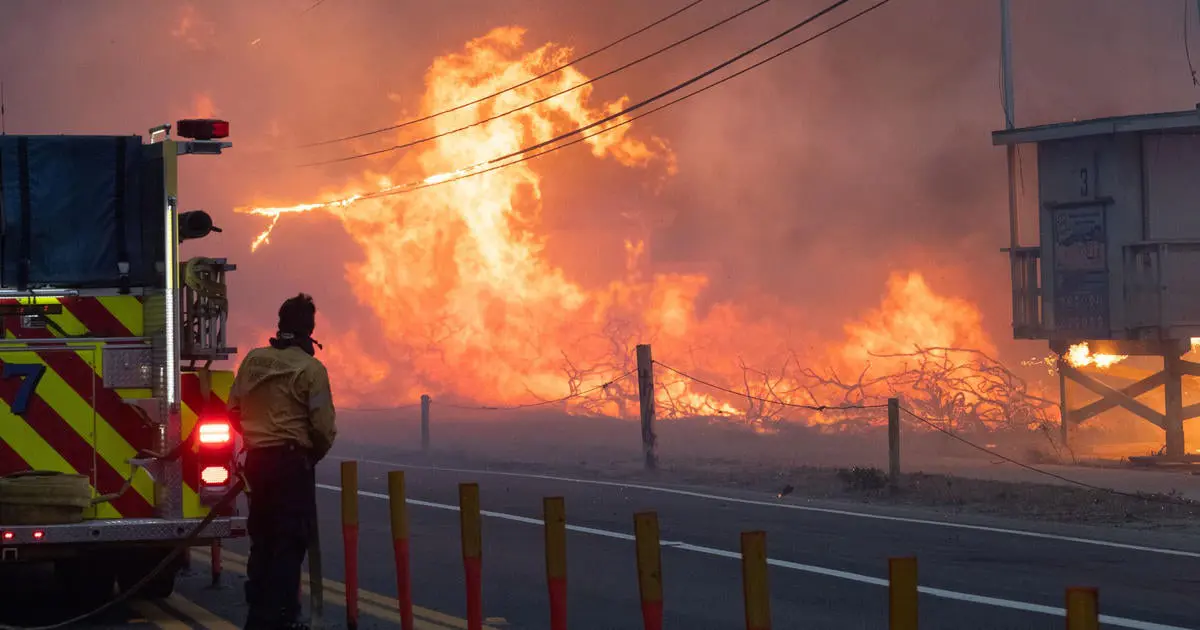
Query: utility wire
[513,87]
[539,101]
[1083,484]
[1187,50]
[543,403]
[768,400]
[478,169]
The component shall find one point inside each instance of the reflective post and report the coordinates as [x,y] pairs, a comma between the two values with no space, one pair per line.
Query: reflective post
[472,549]
[755,589]
[1083,610]
[902,593]
[350,539]
[554,516]
[399,509]
[649,563]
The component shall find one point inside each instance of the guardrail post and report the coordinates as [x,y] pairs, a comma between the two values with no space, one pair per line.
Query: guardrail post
[554,516]
[645,373]
[472,549]
[399,509]
[649,563]
[893,406]
[902,593]
[350,539]
[425,400]
[755,588]
[1083,610]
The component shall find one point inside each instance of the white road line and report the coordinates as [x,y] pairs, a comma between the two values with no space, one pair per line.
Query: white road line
[1120,622]
[804,508]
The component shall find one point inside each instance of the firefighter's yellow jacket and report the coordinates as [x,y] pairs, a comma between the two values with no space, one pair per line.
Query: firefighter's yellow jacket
[281,396]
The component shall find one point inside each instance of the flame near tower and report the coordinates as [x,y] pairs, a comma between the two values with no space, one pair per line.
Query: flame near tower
[471,306]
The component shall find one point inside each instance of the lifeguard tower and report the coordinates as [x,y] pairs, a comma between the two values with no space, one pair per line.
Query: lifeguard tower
[1118,258]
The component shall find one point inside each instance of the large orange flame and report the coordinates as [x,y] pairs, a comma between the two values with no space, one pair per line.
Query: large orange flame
[469,305]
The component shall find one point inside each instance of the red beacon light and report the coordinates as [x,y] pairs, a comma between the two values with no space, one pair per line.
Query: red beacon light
[202,128]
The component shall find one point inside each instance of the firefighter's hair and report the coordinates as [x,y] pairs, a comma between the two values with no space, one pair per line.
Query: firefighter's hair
[298,315]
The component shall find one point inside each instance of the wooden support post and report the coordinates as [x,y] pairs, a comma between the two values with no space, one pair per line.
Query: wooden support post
[893,443]
[400,548]
[425,400]
[645,371]
[350,539]
[1173,405]
[649,564]
[1083,611]
[554,516]
[902,593]
[755,588]
[472,551]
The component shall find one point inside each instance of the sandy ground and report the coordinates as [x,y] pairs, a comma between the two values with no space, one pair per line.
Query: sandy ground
[939,472]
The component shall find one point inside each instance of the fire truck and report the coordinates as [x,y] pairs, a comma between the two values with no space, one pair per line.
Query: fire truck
[115,447]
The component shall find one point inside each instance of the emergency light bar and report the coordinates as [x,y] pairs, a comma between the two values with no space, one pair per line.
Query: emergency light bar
[202,128]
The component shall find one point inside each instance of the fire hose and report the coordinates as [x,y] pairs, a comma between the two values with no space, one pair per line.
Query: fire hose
[225,500]
[316,581]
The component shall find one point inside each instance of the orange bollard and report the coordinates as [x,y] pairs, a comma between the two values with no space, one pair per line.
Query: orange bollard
[754,581]
[472,548]
[1083,610]
[350,539]
[649,562]
[399,509]
[902,593]
[555,519]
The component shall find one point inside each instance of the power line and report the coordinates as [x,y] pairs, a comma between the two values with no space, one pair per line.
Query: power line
[478,169]
[543,403]
[768,400]
[313,6]
[512,87]
[539,101]
[1187,50]
[1083,484]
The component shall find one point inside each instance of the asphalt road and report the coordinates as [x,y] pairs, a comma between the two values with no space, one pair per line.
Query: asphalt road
[827,567]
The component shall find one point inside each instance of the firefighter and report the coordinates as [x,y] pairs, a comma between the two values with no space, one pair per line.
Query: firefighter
[282,405]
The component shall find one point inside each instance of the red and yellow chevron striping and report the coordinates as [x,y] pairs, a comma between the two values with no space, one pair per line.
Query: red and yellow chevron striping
[56,413]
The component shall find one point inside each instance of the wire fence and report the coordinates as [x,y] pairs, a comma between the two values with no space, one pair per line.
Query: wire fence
[648,399]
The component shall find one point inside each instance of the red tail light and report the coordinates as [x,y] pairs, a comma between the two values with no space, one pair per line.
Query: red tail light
[214,433]
[9,535]
[38,534]
[203,128]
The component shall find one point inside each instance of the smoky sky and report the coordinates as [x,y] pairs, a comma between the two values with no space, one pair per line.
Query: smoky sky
[807,180]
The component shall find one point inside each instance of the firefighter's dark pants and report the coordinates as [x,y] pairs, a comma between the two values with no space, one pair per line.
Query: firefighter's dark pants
[282,510]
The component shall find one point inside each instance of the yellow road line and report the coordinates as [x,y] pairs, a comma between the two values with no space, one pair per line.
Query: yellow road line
[199,614]
[375,604]
[158,616]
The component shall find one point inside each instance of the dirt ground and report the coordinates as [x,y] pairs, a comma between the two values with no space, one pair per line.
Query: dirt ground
[805,462]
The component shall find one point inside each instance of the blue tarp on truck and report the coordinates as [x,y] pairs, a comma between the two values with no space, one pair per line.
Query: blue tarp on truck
[75,207]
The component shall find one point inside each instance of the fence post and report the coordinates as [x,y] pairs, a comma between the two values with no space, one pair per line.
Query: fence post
[425,400]
[755,588]
[902,593]
[893,406]
[472,549]
[649,563]
[554,516]
[645,372]
[1083,611]
[399,510]
[350,539]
